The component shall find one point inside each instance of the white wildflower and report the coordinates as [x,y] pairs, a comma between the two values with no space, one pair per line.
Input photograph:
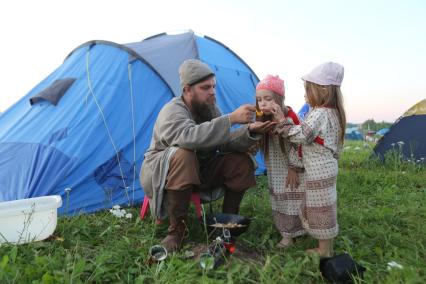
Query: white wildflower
[422,159]
[403,172]
[418,161]
[357,148]
[68,189]
[393,144]
[118,213]
[394,264]
[400,143]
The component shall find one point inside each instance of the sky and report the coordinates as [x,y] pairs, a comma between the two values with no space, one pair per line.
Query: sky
[381,44]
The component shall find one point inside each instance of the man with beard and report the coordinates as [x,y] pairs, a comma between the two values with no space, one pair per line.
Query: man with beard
[193,148]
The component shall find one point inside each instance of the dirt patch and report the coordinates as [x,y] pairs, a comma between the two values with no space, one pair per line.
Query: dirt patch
[197,249]
[241,252]
[246,253]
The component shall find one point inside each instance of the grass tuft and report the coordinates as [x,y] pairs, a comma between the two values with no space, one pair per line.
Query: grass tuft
[381,213]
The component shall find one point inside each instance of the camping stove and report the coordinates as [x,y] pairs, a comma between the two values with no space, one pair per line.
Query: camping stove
[223,244]
[220,248]
[228,241]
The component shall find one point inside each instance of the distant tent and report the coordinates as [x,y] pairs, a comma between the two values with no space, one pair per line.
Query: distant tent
[87,125]
[303,111]
[382,131]
[410,129]
[353,133]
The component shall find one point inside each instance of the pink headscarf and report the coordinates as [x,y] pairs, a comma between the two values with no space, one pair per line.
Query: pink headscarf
[272,83]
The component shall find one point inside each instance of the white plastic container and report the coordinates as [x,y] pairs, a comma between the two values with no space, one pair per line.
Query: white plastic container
[28,220]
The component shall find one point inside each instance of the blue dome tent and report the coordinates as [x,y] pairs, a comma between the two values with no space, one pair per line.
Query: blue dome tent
[87,125]
[304,110]
[353,133]
[409,131]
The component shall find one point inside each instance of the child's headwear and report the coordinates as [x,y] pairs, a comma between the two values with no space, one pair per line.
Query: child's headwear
[328,73]
[272,83]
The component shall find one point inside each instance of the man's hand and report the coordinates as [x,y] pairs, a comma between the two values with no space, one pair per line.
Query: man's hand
[243,114]
[261,127]
[292,179]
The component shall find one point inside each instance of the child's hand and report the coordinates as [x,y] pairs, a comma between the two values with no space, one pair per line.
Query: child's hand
[277,112]
[254,148]
[292,180]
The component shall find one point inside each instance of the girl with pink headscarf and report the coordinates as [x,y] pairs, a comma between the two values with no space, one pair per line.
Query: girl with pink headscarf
[283,162]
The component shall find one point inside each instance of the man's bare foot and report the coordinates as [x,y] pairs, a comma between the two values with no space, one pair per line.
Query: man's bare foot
[285,243]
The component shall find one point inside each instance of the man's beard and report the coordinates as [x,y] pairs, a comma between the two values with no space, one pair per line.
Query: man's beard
[202,112]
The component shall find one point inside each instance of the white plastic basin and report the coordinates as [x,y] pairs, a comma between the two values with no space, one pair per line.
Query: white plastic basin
[27,220]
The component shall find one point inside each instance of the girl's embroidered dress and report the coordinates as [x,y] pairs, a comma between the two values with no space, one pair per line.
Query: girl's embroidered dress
[318,210]
[285,202]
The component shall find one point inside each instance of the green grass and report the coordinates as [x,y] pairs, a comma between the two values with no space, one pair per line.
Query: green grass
[381,213]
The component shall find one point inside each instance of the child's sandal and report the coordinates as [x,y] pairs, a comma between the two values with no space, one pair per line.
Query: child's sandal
[285,243]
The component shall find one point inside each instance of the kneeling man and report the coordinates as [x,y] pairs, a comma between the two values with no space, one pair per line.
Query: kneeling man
[193,148]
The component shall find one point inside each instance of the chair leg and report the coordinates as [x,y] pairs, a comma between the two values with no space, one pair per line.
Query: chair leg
[195,197]
[144,208]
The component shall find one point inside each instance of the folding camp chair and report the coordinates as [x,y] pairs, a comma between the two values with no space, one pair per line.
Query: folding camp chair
[197,197]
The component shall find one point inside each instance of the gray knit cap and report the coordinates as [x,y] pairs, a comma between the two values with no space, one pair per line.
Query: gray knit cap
[193,71]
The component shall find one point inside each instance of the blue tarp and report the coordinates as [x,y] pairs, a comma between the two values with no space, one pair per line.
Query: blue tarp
[94,139]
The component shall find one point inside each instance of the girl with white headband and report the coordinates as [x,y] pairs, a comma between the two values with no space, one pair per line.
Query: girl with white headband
[321,135]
